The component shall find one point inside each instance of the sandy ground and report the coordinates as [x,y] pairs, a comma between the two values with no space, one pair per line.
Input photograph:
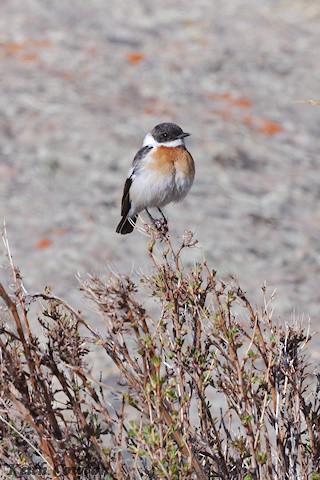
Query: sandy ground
[81,84]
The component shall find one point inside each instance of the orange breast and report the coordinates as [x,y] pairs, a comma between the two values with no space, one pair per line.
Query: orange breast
[170,160]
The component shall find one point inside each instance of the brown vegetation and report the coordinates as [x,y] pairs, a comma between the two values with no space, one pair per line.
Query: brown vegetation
[207,345]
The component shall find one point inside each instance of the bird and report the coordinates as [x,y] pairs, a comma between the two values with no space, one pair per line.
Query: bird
[162,172]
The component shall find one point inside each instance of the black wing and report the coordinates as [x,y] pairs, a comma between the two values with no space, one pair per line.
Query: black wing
[126,203]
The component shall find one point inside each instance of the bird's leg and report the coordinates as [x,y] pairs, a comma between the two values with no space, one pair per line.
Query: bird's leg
[154,221]
[160,224]
[164,221]
[150,217]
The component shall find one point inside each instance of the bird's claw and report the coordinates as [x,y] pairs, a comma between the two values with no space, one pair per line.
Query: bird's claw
[161,225]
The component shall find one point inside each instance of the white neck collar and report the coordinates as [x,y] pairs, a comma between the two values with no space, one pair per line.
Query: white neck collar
[149,141]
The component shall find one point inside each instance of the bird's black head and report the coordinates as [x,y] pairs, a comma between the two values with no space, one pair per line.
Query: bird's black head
[168,132]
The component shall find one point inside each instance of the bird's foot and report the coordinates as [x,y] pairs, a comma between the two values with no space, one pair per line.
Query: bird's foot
[161,225]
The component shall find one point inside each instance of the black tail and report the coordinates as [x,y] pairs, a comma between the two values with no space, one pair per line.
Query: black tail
[126,225]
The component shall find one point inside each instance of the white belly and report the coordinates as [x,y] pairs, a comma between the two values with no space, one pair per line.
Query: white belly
[149,189]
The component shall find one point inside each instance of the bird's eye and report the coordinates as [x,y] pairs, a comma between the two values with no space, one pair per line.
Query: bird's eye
[165,135]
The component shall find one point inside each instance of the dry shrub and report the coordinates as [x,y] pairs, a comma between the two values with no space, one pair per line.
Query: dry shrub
[212,387]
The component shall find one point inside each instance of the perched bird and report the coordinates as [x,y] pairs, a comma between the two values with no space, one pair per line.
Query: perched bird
[162,172]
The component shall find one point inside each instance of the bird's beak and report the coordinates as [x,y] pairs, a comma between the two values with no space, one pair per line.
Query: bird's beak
[184,134]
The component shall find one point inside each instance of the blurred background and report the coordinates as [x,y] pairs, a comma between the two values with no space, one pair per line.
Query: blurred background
[82,82]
